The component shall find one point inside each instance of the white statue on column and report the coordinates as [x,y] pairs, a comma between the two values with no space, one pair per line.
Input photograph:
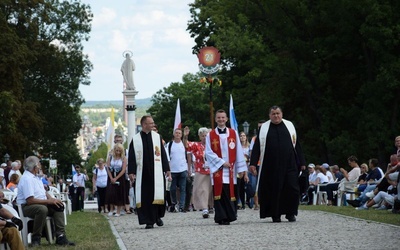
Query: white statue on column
[127,68]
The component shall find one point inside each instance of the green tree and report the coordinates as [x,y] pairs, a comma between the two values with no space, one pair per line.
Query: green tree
[194,103]
[44,75]
[331,65]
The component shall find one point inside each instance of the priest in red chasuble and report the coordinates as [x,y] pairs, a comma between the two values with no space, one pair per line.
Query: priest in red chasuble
[226,159]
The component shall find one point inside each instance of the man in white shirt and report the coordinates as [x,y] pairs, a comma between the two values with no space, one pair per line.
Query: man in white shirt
[79,182]
[15,166]
[179,168]
[38,204]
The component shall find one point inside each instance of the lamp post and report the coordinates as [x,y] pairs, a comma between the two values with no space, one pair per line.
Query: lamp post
[6,157]
[246,127]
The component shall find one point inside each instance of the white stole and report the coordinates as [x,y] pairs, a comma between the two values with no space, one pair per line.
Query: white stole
[263,140]
[158,170]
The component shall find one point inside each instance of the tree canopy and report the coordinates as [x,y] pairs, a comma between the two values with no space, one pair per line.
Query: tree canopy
[194,103]
[332,66]
[41,67]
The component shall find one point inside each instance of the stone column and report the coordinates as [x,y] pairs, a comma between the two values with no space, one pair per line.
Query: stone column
[131,107]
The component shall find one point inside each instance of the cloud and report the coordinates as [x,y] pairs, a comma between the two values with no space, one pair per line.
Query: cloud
[154,30]
[105,16]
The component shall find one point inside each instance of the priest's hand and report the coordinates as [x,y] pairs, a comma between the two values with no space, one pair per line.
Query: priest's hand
[132,177]
[226,165]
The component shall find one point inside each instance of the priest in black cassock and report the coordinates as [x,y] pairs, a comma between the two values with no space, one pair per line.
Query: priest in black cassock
[147,166]
[281,159]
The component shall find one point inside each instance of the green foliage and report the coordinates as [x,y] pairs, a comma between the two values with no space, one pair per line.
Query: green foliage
[332,66]
[42,66]
[194,103]
[101,152]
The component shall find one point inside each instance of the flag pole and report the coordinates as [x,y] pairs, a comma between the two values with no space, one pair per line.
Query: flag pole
[211,108]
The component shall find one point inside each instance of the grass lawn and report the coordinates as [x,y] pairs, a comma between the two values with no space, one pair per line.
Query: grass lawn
[370,214]
[89,230]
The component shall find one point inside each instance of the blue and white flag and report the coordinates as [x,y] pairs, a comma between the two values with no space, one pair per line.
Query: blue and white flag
[73,170]
[232,117]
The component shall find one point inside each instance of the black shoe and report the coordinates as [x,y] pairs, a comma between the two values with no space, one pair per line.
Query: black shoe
[181,210]
[354,203]
[149,226]
[172,209]
[290,218]
[224,222]
[35,241]
[63,241]
[276,219]
[160,223]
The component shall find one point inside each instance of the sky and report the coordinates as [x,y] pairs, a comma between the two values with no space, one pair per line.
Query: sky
[155,32]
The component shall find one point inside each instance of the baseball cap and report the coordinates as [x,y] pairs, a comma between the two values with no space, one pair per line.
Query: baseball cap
[311,165]
[325,165]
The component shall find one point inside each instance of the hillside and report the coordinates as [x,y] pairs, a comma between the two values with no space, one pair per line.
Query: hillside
[105,104]
[99,111]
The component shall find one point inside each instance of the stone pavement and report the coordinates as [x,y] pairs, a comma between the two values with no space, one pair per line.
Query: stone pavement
[313,230]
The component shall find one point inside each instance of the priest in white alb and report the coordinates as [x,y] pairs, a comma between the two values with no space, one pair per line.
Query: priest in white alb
[148,166]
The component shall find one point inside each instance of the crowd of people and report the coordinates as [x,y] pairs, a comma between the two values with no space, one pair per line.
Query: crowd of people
[371,185]
[228,171]
[232,174]
[219,174]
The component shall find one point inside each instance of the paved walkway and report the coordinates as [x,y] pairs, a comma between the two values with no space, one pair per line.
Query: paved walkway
[313,230]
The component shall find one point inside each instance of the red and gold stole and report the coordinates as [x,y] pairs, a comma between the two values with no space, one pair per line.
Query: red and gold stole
[217,176]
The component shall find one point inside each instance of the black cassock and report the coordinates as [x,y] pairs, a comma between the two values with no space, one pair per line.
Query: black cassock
[278,188]
[148,213]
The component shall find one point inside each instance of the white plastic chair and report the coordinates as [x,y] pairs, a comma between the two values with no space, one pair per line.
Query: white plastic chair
[66,199]
[319,196]
[346,187]
[27,239]
[9,195]
[55,193]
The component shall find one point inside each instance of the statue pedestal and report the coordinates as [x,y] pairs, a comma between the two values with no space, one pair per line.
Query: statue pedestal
[130,108]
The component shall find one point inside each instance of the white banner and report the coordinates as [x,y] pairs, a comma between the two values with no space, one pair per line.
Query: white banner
[53,164]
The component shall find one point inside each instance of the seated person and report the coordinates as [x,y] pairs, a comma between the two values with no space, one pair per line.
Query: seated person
[337,175]
[385,197]
[37,204]
[8,229]
[325,169]
[385,183]
[14,179]
[349,177]
[320,179]
[368,185]
[373,177]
